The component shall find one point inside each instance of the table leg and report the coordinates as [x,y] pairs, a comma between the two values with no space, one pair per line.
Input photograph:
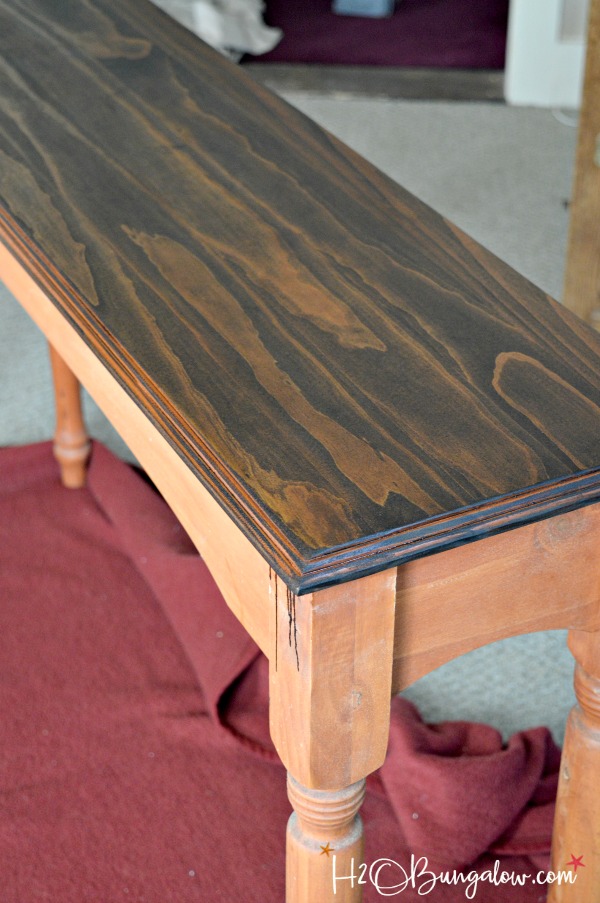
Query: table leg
[71,442]
[325,843]
[330,689]
[577,821]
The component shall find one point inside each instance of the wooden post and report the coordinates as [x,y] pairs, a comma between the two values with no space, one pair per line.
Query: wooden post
[314,863]
[71,442]
[576,839]
[582,276]
[330,691]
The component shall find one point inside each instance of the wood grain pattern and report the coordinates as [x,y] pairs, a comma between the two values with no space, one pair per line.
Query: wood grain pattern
[354,380]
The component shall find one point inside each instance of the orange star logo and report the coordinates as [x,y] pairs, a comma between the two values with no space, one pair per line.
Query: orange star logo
[576,861]
[326,849]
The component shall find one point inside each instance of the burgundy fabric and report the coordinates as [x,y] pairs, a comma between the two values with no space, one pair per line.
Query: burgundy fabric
[493,797]
[135,759]
[465,34]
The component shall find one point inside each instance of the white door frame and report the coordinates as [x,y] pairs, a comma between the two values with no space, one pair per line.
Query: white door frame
[544,67]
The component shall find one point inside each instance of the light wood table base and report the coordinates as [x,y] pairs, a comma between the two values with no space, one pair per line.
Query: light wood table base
[71,441]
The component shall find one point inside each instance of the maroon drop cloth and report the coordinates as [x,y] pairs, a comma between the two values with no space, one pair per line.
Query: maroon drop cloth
[464,34]
[135,759]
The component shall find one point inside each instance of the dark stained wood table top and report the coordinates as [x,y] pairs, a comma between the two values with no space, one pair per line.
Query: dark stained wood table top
[355,380]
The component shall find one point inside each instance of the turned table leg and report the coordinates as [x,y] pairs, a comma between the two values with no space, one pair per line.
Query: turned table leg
[330,681]
[325,842]
[576,840]
[71,442]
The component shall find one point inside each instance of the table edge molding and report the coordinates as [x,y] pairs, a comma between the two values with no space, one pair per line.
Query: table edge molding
[329,566]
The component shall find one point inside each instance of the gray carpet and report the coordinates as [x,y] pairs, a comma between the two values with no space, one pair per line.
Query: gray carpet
[503,175]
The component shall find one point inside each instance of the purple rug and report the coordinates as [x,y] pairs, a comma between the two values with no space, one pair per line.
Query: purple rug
[462,34]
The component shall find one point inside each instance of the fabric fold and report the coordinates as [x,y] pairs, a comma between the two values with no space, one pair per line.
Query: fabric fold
[451,792]
[457,791]
[216,645]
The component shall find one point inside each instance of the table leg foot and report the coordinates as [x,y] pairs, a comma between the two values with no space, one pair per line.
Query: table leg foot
[71,441]
[325,844]
[576,839]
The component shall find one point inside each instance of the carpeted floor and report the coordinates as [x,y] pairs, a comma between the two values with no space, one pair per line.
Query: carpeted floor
[436,33]
[135,762]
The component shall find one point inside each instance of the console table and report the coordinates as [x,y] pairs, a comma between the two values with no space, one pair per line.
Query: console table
[382,440]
